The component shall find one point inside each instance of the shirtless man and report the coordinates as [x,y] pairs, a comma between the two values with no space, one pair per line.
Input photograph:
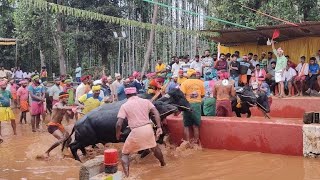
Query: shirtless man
[223,91]
[55,127]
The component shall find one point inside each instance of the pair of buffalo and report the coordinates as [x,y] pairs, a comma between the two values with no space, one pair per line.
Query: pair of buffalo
[98,126]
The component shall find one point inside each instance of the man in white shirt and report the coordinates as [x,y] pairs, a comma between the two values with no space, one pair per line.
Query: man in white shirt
[197,64]
[289,75]
[25,75]
[78,72]
[303,71]
[19,73]
[175,66]
[207,62]
[115,85]
[185,65]
[3,72]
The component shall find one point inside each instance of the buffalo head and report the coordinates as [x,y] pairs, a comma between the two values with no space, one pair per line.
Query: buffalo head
[246,95]
[176,98]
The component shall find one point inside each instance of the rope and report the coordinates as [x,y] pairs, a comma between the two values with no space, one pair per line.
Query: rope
[265,14]
[198,14]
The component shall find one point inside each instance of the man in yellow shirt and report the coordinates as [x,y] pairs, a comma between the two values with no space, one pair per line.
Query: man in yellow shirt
[194,91]
[90,101]
[160,67]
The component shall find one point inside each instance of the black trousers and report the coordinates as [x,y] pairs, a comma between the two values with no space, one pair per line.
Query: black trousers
[311,80]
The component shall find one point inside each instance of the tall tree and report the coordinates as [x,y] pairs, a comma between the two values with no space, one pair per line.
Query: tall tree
[151,38]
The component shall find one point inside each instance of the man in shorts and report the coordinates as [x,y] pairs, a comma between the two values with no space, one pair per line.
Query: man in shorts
[194,91]
[55,127]
[280,68]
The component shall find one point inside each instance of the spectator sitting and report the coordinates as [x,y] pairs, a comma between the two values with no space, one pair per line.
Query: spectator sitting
[303,71]
[313,74]
[289,75]
[260,74]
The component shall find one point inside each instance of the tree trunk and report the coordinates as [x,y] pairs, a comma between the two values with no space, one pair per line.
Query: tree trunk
[61,53]
[42,57]
[150,42]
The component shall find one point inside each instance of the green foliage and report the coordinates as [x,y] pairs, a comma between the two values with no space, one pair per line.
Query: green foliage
[290,10]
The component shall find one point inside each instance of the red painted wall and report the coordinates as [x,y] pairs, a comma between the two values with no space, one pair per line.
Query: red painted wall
[293,107]
[277,136]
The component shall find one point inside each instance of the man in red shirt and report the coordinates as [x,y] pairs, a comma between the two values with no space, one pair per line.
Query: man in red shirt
[141,137]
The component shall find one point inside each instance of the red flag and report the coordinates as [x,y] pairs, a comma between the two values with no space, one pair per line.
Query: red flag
[276,34]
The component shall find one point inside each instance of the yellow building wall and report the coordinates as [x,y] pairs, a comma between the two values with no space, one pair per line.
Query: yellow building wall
[295,48]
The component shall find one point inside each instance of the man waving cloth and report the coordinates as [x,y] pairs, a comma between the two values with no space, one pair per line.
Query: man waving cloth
[141,137]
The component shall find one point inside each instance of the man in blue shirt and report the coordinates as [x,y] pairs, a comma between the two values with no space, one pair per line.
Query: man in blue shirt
[313,74]
[173,83]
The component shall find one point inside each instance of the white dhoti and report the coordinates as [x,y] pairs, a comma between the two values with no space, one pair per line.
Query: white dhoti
[140,138]
[279,76]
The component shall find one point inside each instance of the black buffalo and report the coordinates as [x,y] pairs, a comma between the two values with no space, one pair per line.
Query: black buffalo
[247,99]
[98,126]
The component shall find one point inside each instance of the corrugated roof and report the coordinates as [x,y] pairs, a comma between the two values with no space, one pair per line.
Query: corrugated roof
[231,37]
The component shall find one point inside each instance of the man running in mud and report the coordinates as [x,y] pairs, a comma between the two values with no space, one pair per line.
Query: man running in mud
[223,91]
[55,126]
[142,135]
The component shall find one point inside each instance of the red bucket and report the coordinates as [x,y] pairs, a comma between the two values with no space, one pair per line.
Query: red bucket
[110,157]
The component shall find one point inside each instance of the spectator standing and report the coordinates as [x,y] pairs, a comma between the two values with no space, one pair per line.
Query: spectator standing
[194,91]
[207,62]
[185,66]
[78,72]
[270,60]
[175,66]
[280,68]
[44,74]
[19,74]
[222,64]
[271,77]
[160,67]
[173,84]
[234,69]
[197,64]
[115,85]
[263,61]
[244,66]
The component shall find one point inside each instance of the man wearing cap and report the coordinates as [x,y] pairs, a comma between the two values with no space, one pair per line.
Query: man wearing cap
[173,84]
[223,91]
[142,135]
[55,127]
[90,101]
[82,88]
[114,87]
[23,97]
[37,93]
[54,91]
[194,91]
[6,113]
[280,68]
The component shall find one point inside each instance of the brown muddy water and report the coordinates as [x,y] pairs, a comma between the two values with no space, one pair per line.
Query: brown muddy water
[18,161]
